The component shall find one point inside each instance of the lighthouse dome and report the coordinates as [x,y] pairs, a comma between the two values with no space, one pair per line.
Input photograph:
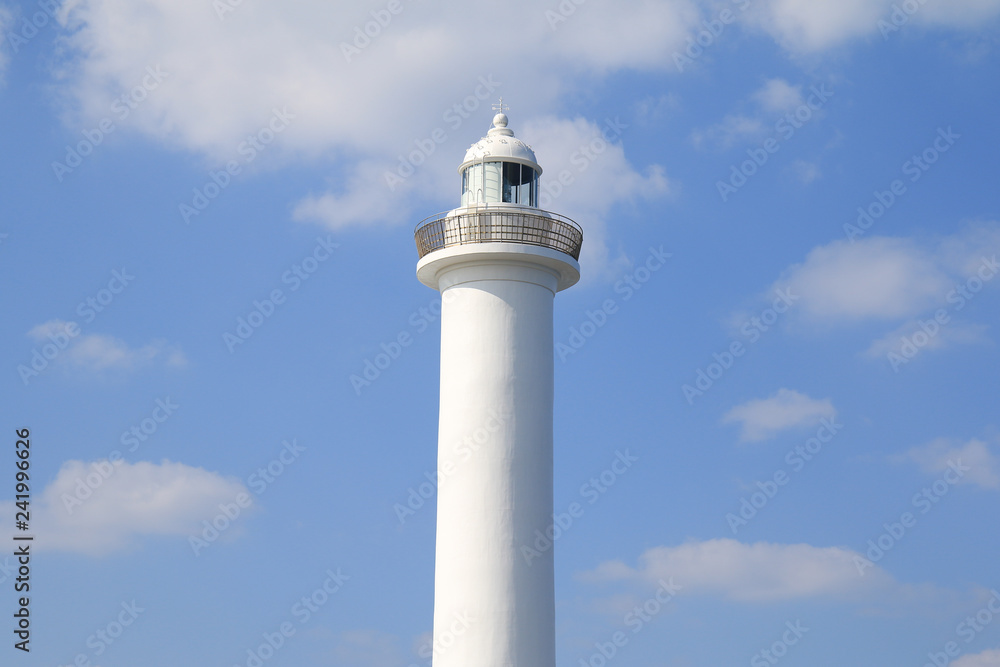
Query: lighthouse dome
[500,169]
[501,144]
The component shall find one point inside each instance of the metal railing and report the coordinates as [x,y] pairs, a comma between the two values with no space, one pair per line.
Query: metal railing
[505,225]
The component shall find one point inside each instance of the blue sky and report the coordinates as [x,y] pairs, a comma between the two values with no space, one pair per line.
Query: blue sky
[205,231]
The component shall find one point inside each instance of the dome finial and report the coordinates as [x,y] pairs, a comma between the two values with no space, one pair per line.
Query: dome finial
[500,120]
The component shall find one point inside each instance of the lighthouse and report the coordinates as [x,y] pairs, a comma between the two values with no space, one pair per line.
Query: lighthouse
[498,261]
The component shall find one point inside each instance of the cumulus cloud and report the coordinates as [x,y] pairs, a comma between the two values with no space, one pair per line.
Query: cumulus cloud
[759,572]
[100,352]
[607,36]
[101,507]
[813,26]
[937,337]
[878,277]
[958,13]
[777,95]
[731,130]
[600,177]
[803,26]
[585,174]
[346,90]
[223,75]
[769,103]
[364,199]
[6,24]
[806,172]
[938,455]
[886,279]
[761,419]
[346,106]
[988,658]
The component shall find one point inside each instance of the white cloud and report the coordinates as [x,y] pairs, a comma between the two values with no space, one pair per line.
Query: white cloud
[732,129]
[126,501]
[365,199]
[777,95]
[598,184]
[958,13]
[812,26]
[963,253]
[886,278]
[763,418]
[806,172]
[222,85]
[599,176]
[100,352]
[653,110]
[772,100]
[6,25]
[877,277]
[817,25]
[760,572]
[938,337]
[936,456]
[606,36]
[361,112]
[988,658]
[366,113]
[52,328]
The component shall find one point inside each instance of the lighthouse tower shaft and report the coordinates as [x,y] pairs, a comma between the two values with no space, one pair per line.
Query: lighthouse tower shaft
[498,265]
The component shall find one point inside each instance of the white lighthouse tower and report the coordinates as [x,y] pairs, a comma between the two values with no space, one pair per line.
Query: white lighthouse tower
[498,262]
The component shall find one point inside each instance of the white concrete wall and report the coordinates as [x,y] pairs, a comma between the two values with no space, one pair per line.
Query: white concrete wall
[492,608]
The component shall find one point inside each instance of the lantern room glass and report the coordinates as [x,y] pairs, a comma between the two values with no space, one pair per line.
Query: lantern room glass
[495,182]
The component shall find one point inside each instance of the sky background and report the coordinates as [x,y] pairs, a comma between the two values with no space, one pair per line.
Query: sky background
[206,214]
